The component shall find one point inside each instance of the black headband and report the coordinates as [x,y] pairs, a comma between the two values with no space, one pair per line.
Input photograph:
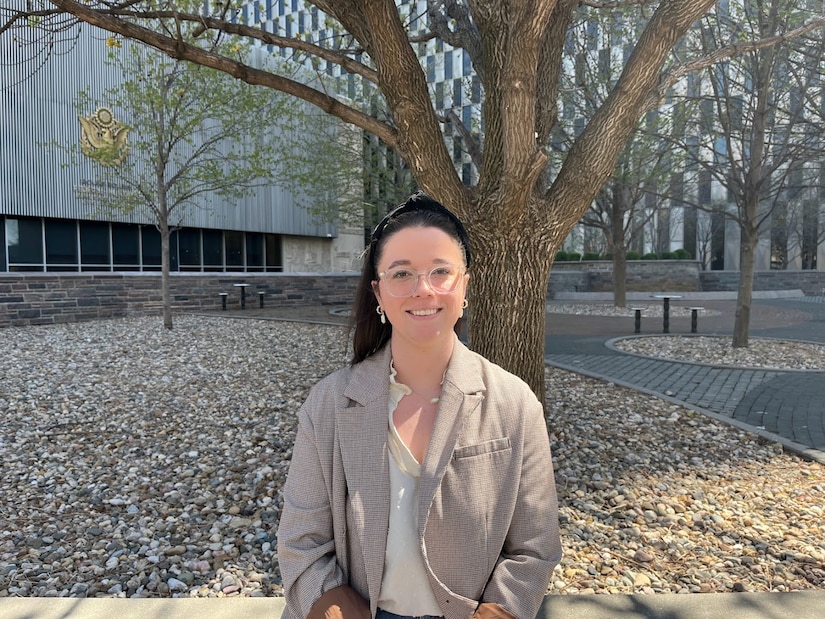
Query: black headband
[420,201]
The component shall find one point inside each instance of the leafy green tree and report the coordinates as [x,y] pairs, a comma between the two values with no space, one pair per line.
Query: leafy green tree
[525,200]
[194,135]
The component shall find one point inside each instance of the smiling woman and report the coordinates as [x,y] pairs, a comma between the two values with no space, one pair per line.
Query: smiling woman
[421,482]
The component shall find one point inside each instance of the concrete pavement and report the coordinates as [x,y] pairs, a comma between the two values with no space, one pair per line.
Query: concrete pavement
[798,605]
[782,406]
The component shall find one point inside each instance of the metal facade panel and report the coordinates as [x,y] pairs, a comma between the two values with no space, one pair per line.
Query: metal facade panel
[41,181]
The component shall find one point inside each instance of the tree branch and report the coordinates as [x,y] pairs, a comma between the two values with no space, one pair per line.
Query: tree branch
[180,49]
[735,49]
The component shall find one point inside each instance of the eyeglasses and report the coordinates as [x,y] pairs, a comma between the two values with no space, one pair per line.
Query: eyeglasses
[402,282]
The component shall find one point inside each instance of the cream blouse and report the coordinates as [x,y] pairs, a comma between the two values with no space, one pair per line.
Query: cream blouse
[405,588]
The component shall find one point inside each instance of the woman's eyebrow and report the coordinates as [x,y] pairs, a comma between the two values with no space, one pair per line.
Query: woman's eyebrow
[403,262]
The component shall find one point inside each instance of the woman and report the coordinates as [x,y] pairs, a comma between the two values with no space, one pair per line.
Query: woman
[421,483]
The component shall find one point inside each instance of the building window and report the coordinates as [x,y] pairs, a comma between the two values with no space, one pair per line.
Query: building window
[61,245]
[24,239]
[94,246]
[3,265]
[212,250]
[274,259]
[189,249]
[150,245]
[126,247]
[234,251]
[254,251]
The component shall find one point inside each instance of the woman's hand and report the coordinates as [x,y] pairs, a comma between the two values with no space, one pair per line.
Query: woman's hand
[344,603]
[489,610]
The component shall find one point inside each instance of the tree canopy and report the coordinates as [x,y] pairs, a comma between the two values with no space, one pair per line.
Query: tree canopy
[521,202]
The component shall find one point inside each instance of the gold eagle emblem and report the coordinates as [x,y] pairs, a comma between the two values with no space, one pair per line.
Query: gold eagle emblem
[103,138]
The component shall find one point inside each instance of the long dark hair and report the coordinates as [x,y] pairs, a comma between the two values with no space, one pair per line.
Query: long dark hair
[420,210]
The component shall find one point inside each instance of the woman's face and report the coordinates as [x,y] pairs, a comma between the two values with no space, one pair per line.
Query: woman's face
[425,313]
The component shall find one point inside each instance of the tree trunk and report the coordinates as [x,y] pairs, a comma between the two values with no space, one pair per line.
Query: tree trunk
[618,245]
[164,279]
[744,298]
[619,277]
[507,311]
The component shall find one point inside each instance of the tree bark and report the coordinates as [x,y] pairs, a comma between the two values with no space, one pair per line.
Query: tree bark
[164,276]
[619,277]
[744,298]
[618,244]
[507,296]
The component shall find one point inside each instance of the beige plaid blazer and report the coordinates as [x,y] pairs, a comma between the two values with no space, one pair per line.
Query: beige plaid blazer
[488,520]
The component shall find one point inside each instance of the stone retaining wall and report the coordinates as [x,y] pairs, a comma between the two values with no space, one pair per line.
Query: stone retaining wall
[812,283]
[47,298]
[642,276]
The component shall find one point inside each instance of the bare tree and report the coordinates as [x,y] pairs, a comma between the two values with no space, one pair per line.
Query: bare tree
[758,134]
[521,208]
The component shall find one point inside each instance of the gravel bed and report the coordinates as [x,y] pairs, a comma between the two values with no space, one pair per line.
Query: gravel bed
[143,463]
[760,353]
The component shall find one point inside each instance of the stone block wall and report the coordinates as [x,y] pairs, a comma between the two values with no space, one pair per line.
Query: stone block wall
[812,283]
[642,276]
[48,298]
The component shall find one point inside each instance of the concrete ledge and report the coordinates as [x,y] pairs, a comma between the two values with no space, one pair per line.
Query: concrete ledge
[799,605]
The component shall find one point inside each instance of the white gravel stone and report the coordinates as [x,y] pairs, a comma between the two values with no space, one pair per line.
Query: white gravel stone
[760,353]
[138,462]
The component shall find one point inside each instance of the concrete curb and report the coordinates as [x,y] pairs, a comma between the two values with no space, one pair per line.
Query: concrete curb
[799,605]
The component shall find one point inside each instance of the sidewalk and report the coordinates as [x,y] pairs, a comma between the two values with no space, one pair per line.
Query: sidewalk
[782,406]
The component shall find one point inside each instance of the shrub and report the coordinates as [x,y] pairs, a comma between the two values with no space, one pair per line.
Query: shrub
[589,255]
[573,256]
[561,256]
[668,255]
[682,254]
[632,255]
[651,256]
[607,256]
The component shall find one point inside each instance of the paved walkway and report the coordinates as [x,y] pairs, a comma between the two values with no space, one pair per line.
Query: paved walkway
[784,406]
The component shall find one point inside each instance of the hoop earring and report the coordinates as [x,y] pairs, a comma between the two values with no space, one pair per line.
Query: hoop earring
[463,307]
[380,311]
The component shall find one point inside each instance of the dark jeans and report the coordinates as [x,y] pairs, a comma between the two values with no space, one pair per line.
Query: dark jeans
[384,614]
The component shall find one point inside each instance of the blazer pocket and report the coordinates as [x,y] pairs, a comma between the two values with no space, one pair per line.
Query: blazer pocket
[487,447]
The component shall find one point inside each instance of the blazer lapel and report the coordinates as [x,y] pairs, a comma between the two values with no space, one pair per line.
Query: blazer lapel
[462,393]
[362,431]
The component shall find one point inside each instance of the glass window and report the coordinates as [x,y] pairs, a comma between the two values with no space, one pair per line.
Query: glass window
[61,245]
[274,261]
[234,250]
[126,247]
[94,245]
[3,265]
[174,263]
[212,250]
[25,242]
[254,251]
[189,249]
[151,248]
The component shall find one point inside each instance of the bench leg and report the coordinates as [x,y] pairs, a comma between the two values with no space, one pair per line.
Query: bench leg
[694,319]
[638,322]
